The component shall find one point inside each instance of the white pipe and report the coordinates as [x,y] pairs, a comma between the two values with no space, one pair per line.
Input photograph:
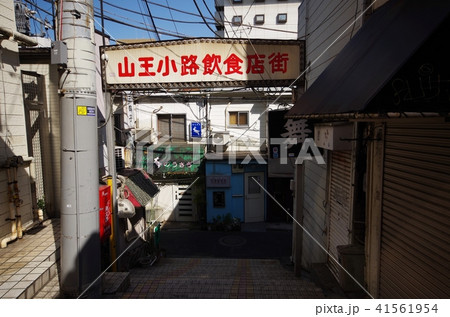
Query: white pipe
[18,37]
[226,108]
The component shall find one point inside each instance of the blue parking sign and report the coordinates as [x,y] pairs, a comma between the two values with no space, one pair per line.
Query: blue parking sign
[196,129]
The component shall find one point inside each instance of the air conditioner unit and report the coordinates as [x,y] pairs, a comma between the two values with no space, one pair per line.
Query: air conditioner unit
[220,141]
[220,138]
[143,136]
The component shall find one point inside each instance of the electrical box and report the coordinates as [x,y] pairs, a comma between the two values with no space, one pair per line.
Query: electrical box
[58,53]
[334,137]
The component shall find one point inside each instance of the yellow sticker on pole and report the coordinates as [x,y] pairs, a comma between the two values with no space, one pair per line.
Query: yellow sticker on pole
[82,110]
[86,111]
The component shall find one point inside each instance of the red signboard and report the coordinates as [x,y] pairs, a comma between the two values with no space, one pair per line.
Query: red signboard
[218,181]
[105,212]
[197,62]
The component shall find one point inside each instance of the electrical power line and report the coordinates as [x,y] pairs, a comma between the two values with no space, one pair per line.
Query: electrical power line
[204,20]
[121,20]
[155,17]
[171,16]
[151,19]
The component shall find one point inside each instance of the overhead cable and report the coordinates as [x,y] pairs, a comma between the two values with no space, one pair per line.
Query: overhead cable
[198,9]
[151,19]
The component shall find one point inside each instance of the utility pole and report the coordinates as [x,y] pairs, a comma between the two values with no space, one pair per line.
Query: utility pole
[80,241]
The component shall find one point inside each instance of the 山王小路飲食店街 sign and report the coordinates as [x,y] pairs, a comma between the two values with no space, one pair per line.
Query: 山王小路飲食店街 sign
[212,61]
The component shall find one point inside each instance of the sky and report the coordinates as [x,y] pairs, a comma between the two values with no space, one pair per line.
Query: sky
[174,19]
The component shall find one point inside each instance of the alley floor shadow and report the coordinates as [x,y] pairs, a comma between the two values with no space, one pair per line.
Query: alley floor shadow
[220,244]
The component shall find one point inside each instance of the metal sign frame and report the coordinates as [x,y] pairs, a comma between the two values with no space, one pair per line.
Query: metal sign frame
[141,66]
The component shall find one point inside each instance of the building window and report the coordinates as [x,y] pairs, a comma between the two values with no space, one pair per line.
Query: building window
[237,20]
[260,0]
[253,184]
[282,18]
[172,126]
[219,199]
[238,118]
[237,1]
[259,19]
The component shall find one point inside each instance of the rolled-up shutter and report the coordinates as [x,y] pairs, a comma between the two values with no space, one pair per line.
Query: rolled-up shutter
[340,204]
[414,259]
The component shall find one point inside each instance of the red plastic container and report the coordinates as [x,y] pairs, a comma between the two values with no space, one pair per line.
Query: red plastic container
[105,212]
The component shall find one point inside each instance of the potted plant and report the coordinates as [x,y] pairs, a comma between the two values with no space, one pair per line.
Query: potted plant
[41,209]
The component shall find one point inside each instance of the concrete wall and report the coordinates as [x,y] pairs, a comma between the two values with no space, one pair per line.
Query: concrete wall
[163,203]
[147,110]
[326,26]
[13,140]
[270,29]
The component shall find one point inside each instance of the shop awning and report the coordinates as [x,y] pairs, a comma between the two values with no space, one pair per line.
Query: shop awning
[138,186]
[371,58]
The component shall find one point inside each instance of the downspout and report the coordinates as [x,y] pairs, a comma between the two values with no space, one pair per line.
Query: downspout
[226,109]
[208,141]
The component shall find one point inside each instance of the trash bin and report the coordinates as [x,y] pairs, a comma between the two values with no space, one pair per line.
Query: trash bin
[351,257]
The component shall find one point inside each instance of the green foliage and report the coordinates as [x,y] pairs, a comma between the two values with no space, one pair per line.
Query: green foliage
[41,203]
[226,223]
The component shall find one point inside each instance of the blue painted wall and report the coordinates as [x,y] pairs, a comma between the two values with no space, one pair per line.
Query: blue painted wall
[234,195]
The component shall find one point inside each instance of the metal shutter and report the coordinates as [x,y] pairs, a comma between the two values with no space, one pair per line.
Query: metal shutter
[414,259]
[184,208]
[173,126]
[340,204]
[163,126]
[315,212]
[178,128]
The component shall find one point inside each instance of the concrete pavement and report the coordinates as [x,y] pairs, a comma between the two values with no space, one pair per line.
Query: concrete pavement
[252,263]
[28,264]
[213,278]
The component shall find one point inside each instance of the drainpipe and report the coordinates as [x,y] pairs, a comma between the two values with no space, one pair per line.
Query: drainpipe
[208,147]
[226,109]
[18,37]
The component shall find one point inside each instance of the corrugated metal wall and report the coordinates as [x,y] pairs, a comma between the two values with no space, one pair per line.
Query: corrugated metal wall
[340,204]
[415,253]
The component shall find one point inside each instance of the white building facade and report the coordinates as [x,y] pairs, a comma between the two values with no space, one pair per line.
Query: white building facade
[268,19]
